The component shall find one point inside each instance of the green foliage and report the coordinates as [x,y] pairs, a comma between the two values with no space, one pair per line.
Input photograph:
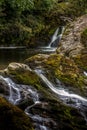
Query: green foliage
[14,34]
[20,4]
[44,5]
[79,6]
[14,8]
[37,19]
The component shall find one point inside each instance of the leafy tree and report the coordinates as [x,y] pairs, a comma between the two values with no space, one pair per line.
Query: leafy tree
[13,8]
[43,5]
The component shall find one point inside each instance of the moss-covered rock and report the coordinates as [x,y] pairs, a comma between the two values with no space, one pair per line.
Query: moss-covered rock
[13,118]
[36,60]
[21,73]
[59,66]
[65,69]
[80,60]
[58,115]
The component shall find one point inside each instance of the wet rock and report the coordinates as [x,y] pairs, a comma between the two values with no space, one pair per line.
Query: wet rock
[4,90]
[36,60]
[24,103]
[18,66]
[21,73]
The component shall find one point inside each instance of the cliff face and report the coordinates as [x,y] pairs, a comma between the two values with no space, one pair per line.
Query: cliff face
[71,43]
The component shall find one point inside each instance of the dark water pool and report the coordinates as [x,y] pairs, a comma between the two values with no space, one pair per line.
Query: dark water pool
[8,55]
[14,55]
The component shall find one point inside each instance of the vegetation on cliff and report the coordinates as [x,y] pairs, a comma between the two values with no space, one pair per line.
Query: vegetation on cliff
[31,21]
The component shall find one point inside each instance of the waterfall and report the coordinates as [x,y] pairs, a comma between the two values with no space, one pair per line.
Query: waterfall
[68,98]
[56,37]
[36,118]
[19,93]
[14,95]
[61,92]
[85,73]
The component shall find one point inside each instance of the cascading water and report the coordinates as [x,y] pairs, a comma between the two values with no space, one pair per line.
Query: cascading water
[19,93]
[85,73]
[70,99]
[14,92]
[38,120]
[56,37]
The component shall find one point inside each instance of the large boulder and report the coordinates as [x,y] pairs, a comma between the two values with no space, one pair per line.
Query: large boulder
[21,73]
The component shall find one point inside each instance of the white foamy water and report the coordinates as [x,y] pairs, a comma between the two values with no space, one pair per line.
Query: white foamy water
[85,73]
[42,127]
[14,91]
[54,37]
[62,92]
[15,96]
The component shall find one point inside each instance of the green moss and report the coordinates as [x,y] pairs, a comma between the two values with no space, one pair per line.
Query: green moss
[80,60]
[25,77]
[65,69]
[13,118]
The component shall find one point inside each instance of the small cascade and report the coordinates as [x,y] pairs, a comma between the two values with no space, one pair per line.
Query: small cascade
[19,93]
[85,73]
[14,92]
[68,98]
[56,37]
[38,120]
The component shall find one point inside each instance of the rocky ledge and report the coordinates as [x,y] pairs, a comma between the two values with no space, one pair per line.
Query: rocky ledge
[69,62]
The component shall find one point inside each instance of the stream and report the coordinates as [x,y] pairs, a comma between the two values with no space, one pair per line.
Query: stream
[20,94]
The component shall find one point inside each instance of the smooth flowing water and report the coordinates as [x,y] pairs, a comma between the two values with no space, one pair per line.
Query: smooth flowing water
[56,37]
[85,73]
[20,94]
[68,98]
[55,40]
[14,92]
